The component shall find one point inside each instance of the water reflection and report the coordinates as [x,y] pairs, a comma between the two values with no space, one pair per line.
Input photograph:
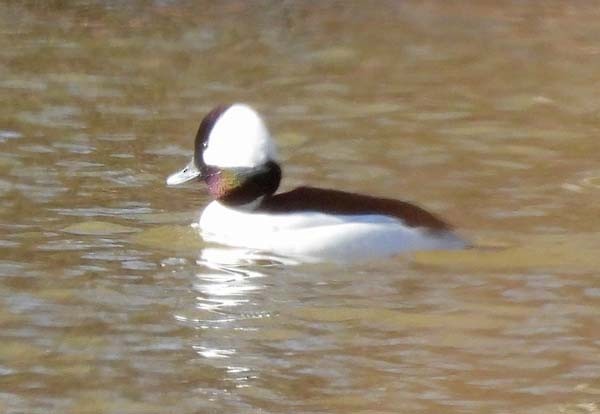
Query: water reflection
[230,292]
[230,287]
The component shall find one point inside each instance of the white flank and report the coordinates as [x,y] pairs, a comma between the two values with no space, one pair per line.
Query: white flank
[319,236]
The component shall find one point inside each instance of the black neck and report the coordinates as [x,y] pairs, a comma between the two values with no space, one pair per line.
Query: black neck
[242,185]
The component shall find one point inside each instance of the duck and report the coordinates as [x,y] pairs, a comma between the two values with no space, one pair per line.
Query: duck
[236,157]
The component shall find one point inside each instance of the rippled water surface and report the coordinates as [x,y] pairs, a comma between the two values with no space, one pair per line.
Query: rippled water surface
[487,114]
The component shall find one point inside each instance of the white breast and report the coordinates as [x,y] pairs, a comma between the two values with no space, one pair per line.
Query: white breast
[314,235]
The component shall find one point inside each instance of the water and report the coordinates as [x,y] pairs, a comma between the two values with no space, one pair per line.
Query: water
[486,114]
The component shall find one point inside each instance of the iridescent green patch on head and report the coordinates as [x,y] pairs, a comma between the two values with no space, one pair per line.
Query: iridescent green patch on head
[242,185]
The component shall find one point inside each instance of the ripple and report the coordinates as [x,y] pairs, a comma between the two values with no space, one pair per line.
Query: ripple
[40,193]
[138,112]
[135,179]
[129,212]
[213,353]
[54,116]
[8,268]
[76,245]
[5,186]
[6,134]
[31,85]
[9,244]
[114,256]
[117,137]
[75,148]
[169,150]
[591,182]
[334,56]
[138,265]
[98,228]
[37,149]
[593,292]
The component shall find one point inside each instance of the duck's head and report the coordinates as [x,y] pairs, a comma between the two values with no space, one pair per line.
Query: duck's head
[235,155]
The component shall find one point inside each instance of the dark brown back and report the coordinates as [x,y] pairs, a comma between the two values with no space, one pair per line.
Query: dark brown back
[344,203]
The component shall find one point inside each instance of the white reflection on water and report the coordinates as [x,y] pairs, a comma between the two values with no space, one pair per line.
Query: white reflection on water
[213,353]
[228,258]
[229,282]
[230,292]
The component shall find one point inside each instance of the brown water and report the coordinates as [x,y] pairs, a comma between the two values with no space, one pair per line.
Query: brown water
[487,114]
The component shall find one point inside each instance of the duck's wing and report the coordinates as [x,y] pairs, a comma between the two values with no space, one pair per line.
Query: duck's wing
[346,203]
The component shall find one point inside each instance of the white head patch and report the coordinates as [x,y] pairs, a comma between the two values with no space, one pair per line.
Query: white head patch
[239,138]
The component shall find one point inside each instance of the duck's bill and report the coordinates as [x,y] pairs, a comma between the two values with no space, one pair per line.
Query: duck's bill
[188,173]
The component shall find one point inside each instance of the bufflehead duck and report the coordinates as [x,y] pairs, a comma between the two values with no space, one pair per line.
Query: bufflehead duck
[235,156]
